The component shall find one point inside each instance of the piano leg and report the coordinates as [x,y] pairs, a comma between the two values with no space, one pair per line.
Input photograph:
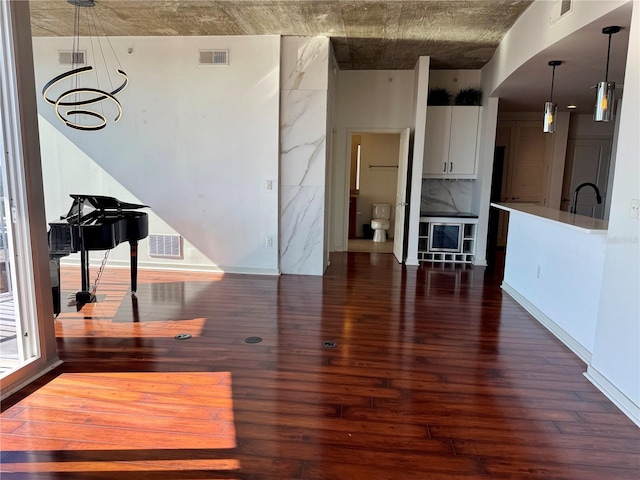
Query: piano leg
[134,266]
[54,271]
[85,296]
[84,270]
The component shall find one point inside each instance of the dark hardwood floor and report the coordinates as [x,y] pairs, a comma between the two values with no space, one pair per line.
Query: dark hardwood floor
[373,371]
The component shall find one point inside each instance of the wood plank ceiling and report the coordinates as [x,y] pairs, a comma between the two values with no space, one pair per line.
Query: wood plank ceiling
[366,34]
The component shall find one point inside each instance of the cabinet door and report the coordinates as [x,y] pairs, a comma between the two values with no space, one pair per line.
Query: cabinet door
[436,142]
[464,136]
[528,172]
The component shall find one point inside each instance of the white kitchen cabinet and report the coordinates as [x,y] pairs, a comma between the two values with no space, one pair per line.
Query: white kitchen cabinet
[451,136]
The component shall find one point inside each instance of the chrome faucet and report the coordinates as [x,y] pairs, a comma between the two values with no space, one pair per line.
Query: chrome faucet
[575,195]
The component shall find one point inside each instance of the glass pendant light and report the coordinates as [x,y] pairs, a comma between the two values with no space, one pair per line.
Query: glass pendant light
[605,91]
[550,108]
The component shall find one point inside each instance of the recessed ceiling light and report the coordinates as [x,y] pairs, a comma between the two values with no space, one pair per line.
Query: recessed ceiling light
[572,106]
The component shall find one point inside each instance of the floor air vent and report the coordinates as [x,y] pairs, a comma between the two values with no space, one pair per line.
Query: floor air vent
[167,246]
[213,57]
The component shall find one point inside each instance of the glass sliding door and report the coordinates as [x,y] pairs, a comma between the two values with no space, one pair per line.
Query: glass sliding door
[9,351]
[27,331]
[18,333]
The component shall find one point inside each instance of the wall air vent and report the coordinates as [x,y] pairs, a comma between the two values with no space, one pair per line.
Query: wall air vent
[69,57]
[165,246]
[559,9]
[213,57]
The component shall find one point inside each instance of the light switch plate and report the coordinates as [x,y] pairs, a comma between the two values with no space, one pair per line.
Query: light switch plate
[635,209]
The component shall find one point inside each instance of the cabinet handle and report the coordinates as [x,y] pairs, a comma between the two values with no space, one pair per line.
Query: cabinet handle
[450,167]
[444,167]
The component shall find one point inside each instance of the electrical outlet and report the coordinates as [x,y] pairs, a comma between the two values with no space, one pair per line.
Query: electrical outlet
[635,209]
[268,185]
[269,242]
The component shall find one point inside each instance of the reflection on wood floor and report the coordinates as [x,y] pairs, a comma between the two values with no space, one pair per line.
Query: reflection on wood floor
[433,374]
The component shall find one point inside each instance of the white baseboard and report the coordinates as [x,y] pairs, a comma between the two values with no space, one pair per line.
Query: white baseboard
[613,393]
[553,327]
[412,262]
[182,267]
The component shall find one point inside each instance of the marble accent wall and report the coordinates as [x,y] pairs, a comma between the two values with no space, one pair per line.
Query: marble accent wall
[303,153]
[446,195]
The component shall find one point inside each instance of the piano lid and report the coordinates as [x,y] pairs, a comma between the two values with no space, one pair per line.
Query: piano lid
[101,202]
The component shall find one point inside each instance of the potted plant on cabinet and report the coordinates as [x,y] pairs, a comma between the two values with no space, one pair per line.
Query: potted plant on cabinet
[468,96]
[438,96]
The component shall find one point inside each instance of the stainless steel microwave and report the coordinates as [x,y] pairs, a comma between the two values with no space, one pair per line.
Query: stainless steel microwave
[445,237]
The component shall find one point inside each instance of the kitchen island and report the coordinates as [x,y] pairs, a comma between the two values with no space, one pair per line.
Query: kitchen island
[553,267]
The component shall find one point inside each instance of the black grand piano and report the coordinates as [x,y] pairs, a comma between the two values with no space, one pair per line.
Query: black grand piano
[94,222]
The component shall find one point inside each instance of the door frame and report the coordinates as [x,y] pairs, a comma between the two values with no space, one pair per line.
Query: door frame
[20,137]
[347,172]
[400,229]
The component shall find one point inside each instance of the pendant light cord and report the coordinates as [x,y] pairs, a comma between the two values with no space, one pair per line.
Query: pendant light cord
[554,64]
[606,75]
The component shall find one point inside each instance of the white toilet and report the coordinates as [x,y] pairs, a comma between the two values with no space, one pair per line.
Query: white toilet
[380,215]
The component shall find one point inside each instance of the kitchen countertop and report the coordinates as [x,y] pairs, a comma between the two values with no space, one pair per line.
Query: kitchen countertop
[571,220]
[449,214]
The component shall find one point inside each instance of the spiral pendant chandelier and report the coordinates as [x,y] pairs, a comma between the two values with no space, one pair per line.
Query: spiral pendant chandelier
[85,104]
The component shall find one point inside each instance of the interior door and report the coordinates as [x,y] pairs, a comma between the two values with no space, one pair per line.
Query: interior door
[587,161]
[401,196]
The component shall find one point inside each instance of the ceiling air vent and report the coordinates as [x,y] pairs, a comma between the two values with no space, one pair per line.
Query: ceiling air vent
[213,57]
[166,246]
[69,57]
[559,9]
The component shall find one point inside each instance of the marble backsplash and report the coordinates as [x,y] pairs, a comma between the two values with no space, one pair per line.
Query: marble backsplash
[446,195]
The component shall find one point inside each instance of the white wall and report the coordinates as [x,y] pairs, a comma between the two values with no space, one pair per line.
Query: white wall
[195,143]
[558,270]
[368,101]
[616,356]
[481,195]
[419,118]
[332,107]
[303,154]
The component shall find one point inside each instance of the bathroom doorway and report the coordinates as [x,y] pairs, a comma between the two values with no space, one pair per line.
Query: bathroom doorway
[373,178]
